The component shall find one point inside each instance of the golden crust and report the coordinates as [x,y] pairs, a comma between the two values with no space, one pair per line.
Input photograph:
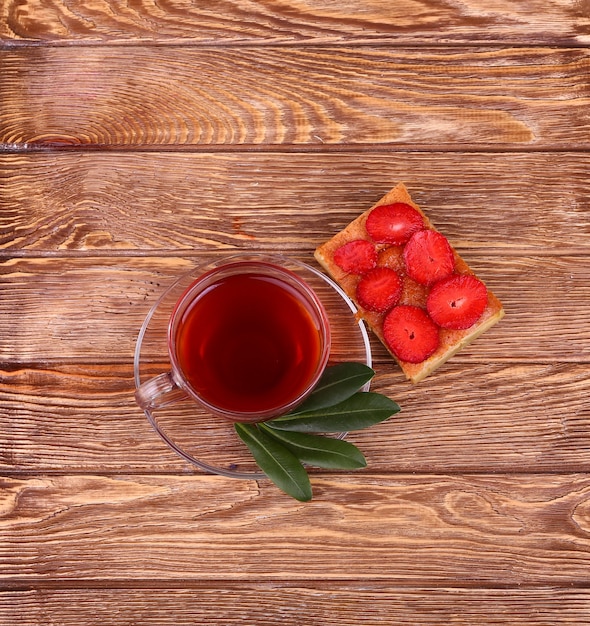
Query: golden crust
[451,341]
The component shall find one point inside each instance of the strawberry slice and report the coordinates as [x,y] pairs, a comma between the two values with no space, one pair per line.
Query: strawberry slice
[356,257]
[379,289]
[410,334]
[457,302]
[393,223]
[428,257]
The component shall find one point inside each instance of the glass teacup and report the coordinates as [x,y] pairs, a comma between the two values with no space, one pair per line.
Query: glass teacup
[248,340]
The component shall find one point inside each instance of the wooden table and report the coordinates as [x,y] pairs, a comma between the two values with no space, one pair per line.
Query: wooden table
[139,139]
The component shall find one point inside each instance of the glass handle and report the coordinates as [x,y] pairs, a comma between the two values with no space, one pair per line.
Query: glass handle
[158,392]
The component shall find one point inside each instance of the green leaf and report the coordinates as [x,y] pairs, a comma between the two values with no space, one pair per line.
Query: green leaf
[338,383]
[319,451]
[361,410]
[276,461]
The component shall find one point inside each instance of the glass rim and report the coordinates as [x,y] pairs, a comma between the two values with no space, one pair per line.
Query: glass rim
[270,265]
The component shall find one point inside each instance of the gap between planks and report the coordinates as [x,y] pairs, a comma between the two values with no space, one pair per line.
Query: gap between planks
[378,41]
[316,148]
[321,584]
[192,253]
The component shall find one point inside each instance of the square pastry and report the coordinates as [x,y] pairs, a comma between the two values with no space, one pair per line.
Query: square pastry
[410,286]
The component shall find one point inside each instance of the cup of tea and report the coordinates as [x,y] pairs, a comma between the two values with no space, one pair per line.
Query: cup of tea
[248,340]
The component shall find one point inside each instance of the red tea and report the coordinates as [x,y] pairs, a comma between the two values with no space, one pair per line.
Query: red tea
[248,343]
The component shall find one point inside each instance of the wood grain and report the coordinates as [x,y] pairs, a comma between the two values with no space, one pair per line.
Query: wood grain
[138,139]
[502,418]
[296,96]
[85,309]
[240,21]
[434,530]
[295,604]
[515,203]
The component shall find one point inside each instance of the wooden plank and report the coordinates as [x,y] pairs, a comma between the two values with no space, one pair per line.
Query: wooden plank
[467,418]
[509,203]
[413,530]
[292,605]
[239,21]
[296,96]
[91,309]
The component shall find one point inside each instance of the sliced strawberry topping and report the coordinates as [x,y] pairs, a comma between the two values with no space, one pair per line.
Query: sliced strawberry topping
[457,302]
[356,257]
[393,223]
[379,289]
[410,334]
[428,257]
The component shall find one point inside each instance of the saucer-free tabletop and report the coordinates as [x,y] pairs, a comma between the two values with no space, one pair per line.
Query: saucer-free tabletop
[138,140]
